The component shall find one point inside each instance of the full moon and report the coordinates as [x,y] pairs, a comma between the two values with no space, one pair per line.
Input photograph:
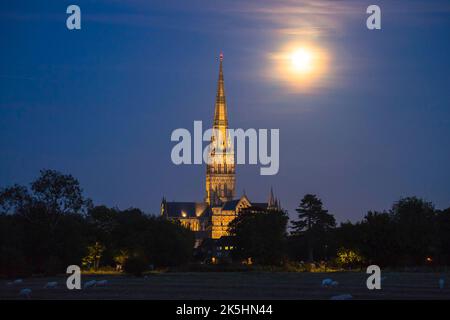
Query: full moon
[300,66]
[301,60]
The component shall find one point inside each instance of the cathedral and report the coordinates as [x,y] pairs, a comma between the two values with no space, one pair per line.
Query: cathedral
[209,219]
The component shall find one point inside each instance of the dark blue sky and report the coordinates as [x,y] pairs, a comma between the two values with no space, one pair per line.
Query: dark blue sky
[101,103]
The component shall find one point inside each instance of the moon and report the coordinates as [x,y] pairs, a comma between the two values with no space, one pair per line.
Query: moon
[300,67]
[301,60]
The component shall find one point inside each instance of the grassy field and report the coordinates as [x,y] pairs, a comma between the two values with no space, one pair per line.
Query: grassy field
[248,285]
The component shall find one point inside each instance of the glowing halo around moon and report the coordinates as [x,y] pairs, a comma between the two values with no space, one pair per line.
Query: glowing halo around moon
[300,67]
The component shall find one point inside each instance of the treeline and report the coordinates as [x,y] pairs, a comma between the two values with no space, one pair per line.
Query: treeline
[51,225]
[412,233]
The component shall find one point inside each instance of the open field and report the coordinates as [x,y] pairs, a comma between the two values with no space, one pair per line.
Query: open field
[235,285]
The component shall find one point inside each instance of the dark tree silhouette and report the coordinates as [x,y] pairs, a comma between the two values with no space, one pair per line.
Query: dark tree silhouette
[14,199]
[314,223]
[260,234]
[52,225]
[158,241]
[414,221]
[374,237]
[60,193]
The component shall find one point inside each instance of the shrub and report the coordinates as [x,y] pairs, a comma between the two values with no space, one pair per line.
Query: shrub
[347,258]
[135,265]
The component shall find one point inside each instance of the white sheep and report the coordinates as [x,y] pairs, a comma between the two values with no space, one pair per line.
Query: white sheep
[102,283]
[441,283]
[327,282]
[26,293]
[342,297]
[51,285]
[89,284]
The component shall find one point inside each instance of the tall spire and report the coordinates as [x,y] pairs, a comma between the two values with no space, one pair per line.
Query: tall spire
[220,171]
[220,113]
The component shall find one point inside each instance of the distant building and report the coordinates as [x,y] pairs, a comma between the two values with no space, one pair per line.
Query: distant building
[209,219]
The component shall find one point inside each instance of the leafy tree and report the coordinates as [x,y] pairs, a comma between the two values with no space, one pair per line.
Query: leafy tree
[168,243]
[52,225]
[104,220]
[378,239]
[14,199]
[161,242]
[102,223]
[374,237]
[52,231]
[130,230]
[60,193]
[415,230]
[120,258]
[314,223]
[260,234]
[95,252]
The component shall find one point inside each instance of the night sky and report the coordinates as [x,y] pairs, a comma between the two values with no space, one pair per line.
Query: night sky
[100,103]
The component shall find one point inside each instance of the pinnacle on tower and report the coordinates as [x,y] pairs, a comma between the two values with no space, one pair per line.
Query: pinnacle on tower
[220,113]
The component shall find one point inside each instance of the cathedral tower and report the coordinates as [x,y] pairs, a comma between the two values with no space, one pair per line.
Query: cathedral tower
[220,170]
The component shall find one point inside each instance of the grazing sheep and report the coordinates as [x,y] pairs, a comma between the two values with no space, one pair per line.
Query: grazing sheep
[51,285]
[327,282]
[89,284]
[102,283]
[441,283]
[342,297]
[26,293]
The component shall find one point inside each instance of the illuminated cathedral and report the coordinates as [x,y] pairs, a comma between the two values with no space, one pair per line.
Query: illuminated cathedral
[210,218]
